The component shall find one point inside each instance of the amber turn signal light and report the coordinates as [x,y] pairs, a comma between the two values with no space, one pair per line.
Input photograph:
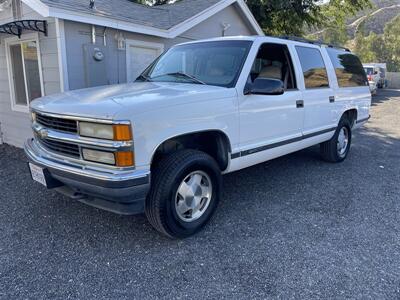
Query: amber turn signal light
[124,159]
[122,132]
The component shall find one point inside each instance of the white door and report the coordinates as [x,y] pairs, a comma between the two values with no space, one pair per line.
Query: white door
[139,55]
[270,121]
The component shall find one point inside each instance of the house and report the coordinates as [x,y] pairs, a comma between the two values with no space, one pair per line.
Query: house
[52,46]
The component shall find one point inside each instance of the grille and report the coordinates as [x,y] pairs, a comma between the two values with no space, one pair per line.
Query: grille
[61,147]
[57,123]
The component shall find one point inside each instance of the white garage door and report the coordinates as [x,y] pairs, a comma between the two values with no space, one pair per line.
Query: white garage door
[139,55]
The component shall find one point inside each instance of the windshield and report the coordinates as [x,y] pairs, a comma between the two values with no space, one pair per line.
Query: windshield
[214,63]
[369,71]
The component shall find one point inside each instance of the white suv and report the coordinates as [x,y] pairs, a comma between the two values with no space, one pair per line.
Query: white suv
[161,144]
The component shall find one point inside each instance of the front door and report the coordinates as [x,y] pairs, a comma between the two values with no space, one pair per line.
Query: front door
[271,121]
[139,55]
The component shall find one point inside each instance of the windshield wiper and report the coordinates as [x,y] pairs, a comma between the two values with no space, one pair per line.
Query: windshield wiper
[143,77]
[181,74]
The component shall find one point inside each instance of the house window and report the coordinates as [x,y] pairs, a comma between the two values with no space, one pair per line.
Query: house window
[24,73]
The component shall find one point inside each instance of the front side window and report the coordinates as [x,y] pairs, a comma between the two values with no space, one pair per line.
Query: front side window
[349,70]
[313,66]
[25,74]
[273,61]
[214,63]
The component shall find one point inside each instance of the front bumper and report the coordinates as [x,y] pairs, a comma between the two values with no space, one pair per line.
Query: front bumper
[118,191]
[372,86]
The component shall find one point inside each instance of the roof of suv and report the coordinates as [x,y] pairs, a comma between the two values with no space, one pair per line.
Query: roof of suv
[295,40]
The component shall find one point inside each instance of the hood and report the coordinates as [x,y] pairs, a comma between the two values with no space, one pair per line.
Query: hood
[111,102]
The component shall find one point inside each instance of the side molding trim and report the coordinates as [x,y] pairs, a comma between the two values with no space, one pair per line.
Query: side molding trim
[280,144]
[363,120]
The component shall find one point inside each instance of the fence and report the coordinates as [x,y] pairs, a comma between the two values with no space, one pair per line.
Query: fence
[393,79]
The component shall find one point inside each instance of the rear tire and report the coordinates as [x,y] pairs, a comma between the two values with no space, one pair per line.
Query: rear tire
[185,192]
[337,148]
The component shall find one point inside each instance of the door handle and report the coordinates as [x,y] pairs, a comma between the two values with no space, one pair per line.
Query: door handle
[332,99]
[299,103]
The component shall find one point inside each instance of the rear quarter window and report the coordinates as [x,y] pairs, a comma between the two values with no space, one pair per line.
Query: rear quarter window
[348,68]
[313,66]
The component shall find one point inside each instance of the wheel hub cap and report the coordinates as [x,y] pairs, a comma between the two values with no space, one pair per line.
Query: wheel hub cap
[343,141]
[193,196]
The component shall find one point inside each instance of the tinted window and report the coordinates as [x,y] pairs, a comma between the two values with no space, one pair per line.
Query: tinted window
[214,63]
[349,70]
[314,70]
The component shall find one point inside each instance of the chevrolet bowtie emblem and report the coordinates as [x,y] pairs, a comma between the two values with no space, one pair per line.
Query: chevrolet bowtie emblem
[43,133]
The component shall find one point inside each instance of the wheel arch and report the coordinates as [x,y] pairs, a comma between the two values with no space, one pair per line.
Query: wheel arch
[219,149]
[352,115]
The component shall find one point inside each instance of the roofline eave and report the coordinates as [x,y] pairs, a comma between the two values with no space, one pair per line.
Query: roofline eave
[47,11]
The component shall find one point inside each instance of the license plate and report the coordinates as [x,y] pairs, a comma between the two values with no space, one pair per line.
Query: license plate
[37,174]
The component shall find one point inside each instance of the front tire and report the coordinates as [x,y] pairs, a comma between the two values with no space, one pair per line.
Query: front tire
[337,148]
[185,192]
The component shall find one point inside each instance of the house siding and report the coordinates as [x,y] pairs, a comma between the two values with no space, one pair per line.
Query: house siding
[79,34]
[15,126]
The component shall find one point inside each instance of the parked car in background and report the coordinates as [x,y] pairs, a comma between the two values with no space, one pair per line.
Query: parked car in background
[373,77]
[382,80]
[380,68]
[161,144]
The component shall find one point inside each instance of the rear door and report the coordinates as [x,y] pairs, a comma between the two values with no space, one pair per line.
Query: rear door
[317,90]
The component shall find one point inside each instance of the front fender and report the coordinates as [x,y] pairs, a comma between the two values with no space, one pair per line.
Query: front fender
[153,128]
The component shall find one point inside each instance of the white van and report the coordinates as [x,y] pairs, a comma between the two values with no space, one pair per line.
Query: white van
[161,144]
[374,78]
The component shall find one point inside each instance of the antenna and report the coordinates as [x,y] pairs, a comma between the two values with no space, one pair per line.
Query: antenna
[92,4]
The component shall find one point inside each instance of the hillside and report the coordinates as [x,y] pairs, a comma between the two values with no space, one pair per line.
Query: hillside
[369,20]
[375,19]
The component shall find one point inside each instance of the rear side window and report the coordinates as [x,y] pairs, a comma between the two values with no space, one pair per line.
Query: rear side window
[313,66]
[348,68]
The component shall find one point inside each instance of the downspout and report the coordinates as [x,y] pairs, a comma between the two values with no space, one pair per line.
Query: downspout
[62,55]
[93,35]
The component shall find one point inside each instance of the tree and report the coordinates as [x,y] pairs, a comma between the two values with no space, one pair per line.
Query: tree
[335,15]
[391,42]
[381,48]
[278,17]
[291,17]
[366,47]
[284,17]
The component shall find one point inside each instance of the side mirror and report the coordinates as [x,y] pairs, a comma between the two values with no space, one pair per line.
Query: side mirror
[266,86]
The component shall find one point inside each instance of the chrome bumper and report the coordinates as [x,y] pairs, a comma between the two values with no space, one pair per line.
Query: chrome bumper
[119,191]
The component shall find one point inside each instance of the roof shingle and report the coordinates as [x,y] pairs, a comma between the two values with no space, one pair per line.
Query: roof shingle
[161,17]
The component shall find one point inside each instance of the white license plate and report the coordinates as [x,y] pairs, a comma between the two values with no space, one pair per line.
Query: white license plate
[37,174]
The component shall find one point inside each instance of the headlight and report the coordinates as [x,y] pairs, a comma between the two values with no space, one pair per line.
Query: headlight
[33,116]
[119,159]
[99,156]
[105,131]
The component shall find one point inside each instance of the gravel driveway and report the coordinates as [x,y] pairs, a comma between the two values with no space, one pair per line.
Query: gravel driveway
[295,227]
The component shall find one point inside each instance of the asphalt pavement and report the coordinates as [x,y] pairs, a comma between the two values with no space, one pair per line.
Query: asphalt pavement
[292,228]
